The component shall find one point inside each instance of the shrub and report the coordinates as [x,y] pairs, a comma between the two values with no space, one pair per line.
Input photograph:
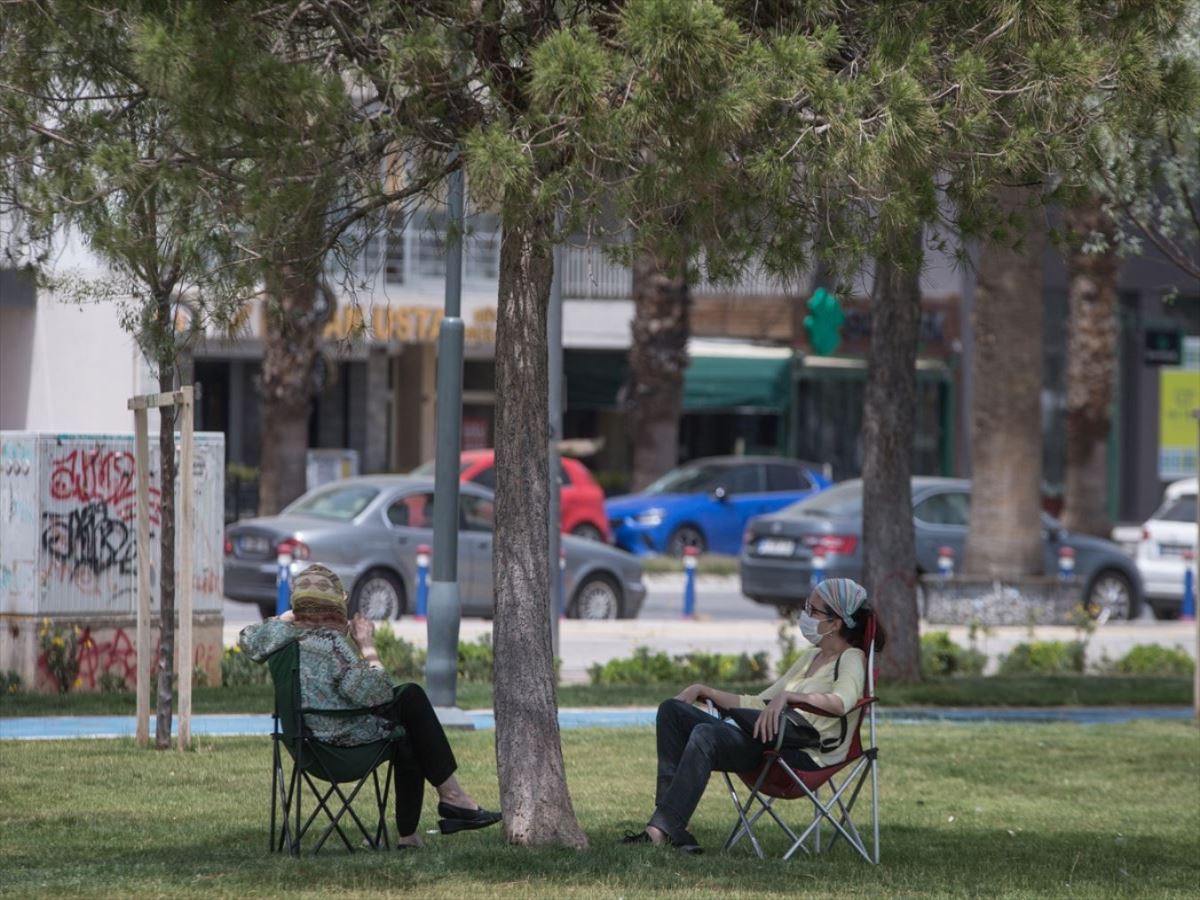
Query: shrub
[940,657]
[111,682]
[648,666]
[238,670]
[10,682]
[406,661]
[1044,658]
[59,647]
[1151,659]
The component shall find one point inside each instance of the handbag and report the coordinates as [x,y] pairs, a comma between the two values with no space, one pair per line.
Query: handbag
[795,731]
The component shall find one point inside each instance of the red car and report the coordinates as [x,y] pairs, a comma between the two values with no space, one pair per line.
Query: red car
[582,498]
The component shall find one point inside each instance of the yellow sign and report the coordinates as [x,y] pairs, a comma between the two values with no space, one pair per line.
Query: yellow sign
[406,324]
[1178,397]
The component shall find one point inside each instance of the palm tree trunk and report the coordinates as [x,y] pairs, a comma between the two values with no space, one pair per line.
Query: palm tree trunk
[1004,537]
[657,362]
[1091,367]
[533,782]
[293,330]
[889,420]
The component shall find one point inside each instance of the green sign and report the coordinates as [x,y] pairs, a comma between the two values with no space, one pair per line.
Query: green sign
[824,322]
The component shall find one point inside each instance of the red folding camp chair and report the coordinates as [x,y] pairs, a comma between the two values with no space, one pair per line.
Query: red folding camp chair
[775,780]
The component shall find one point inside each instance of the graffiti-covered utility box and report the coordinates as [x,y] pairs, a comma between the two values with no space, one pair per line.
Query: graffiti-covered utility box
[69,538]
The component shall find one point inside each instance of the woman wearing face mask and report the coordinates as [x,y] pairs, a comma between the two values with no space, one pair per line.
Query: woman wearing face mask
[829,674]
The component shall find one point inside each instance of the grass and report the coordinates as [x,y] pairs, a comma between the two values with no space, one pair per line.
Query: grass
[1011,690]
[1009,811]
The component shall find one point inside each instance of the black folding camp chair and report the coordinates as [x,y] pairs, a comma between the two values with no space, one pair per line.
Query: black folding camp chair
[323,767]
[775,780]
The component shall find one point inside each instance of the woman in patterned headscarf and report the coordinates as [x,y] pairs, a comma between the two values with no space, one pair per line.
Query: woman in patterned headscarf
[336,674]
[830,674]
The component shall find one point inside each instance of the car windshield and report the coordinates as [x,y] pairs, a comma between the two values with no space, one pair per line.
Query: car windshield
[845,499]
[341,503]
[1180,509]
[688,480]
[427,469]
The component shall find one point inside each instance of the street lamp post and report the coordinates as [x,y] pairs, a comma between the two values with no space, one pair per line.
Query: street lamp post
[554,338]
[445,609]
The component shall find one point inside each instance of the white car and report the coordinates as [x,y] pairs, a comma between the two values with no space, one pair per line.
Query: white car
[1166,537]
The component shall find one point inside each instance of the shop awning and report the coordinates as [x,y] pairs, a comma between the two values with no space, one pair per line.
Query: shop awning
[721,375]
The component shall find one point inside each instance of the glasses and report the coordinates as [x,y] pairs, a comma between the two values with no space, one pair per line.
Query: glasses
[819,613]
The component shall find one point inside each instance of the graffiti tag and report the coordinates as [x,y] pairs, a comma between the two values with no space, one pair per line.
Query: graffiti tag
[89,540]
[107,476]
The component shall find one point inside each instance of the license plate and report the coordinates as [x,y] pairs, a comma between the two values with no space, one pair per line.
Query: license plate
[1173,549]
[776,547]
[253,545]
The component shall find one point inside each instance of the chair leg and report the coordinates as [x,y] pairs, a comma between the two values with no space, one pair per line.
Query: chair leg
[824,812]
[275,776]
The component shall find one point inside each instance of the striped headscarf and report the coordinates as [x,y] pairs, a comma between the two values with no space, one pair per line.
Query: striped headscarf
[317,592]
[844,596]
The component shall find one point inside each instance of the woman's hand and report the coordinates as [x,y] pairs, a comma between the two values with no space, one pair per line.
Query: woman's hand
[288,615]
[692,693]
[766,726]
[363,630]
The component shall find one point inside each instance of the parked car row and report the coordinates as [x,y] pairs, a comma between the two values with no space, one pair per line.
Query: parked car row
[774,514]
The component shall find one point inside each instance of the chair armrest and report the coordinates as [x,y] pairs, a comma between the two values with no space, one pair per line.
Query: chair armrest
[830,714]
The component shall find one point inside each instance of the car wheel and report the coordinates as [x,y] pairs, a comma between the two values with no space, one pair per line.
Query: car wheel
[378,595]
[266,610]
[588,532]
[597,598]
[1110,596]
[685,536]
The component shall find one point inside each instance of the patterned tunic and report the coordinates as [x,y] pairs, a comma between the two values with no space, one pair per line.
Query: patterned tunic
[333,675]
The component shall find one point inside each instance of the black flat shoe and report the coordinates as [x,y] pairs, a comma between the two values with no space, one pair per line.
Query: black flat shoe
[458,818]
[636,837]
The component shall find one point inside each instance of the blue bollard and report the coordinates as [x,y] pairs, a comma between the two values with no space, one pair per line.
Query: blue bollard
[945,561]
[818,566]
[1187,611]
[1066,562]
[423,553]
[689,582]
[283,583]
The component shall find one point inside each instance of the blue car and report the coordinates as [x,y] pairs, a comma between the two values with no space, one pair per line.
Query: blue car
[706,503]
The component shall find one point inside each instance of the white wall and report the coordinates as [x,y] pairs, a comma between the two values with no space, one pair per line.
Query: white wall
[68,367]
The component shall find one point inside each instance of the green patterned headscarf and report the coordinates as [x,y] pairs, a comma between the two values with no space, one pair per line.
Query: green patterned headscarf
[844,596]
[317,592]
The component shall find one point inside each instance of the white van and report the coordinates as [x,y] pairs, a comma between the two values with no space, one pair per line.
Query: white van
[1166,537]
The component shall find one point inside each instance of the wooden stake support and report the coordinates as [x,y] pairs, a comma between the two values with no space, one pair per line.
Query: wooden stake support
[183,399]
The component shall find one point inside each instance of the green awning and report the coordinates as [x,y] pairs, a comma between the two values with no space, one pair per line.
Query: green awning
[712,383]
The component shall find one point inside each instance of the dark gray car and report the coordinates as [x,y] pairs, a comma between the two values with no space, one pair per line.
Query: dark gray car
[777,550]
[367,530]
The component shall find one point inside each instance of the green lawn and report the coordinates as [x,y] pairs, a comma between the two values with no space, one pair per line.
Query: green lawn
[1016,690]
[980,810]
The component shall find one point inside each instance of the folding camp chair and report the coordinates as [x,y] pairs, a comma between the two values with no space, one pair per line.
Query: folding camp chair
[314,762]
[775,780]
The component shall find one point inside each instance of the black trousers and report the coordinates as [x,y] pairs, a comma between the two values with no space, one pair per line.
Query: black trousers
[691,746]
[430,759]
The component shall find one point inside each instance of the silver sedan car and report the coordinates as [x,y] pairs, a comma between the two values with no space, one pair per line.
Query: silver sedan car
[367,530]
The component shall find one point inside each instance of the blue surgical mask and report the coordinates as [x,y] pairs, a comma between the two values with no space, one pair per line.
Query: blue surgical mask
[810,628]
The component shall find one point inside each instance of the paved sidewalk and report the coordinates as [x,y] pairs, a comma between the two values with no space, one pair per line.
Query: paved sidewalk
[227,725]
[584,644]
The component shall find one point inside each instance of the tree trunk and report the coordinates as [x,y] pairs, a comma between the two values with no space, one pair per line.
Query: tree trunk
[293,330]
[166,564]
[889,417]
[657,362]
[1004,539]
[533,782]
[1091,368]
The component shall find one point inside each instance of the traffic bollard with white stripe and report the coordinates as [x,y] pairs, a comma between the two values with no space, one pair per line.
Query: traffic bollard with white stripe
[689,582]
[818,566]
[424,551]
[945,561]
[283,583]
[1187,611]
[1066,562]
